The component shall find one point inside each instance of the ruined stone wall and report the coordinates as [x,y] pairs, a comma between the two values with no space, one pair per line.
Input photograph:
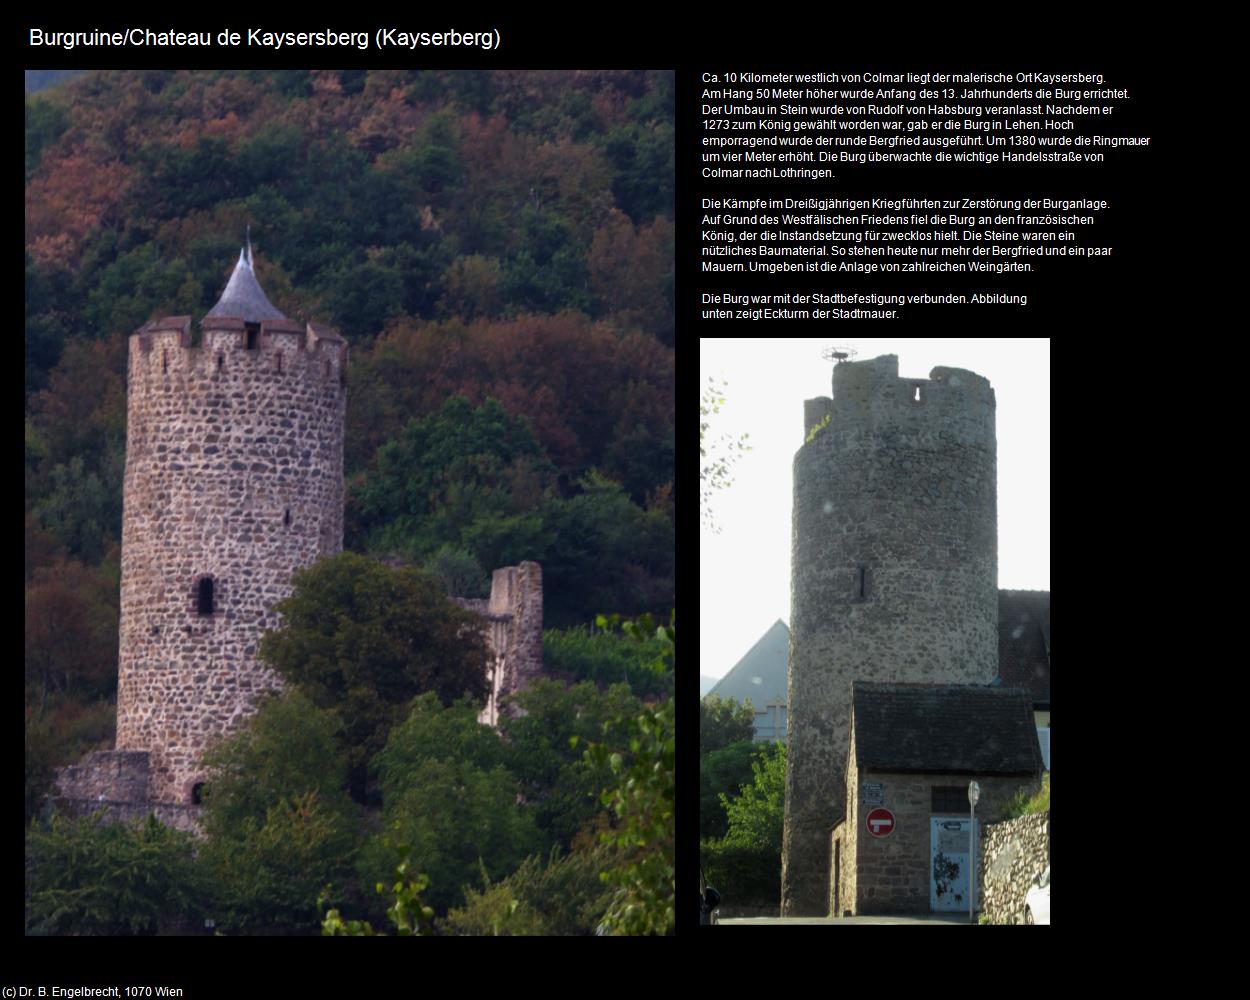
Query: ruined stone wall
[116,782]
[234,475]
[513,629]
[1012,853]
[894,574]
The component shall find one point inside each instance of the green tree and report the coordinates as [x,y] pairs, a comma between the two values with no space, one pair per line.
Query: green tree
[90,877]
[45,121]
[606,552]
[715,456]
[434,731]
[564,896]
[543,736]
[267,874]
[459,572]
[757,814]
[723,771]
[445,472]
[456,818]
[641,799]
[363,639]
[449,801]
[289,748]
[723,721]
[70,633]
[279,823]
[409,914]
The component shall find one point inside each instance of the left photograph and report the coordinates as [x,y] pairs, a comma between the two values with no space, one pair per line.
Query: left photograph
[349,507]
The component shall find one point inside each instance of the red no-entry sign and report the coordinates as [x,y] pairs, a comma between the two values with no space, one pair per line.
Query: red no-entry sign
[881,822]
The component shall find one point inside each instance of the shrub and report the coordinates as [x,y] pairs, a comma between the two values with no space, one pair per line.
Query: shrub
[91,877]
[1027,801]
[742,874]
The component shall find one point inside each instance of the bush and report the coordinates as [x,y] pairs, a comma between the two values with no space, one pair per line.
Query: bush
[268,875]
[757,814]
[455,818]
[723,772]
[606,658]
[90,877]
[1026,801]
[743,875]
[563,897]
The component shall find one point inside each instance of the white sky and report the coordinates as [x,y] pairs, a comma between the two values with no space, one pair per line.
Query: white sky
[744,570]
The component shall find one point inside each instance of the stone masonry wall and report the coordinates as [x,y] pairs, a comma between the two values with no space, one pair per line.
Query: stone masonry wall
[513,628]
[893,873]
[1012,853]
[894,574]
[116,782]
[234,475]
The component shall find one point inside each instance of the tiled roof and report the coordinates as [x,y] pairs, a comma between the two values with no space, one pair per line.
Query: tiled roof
[961,729]
[1024,642]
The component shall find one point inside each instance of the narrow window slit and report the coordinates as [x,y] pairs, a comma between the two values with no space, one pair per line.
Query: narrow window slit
[204,596]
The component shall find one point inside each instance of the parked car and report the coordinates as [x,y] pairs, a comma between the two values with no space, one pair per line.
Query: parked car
[1037,902]
[709,900]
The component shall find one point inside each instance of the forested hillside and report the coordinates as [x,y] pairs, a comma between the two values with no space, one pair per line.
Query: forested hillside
[497,247]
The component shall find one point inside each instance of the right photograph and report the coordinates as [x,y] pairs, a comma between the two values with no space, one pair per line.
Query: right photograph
[875,631]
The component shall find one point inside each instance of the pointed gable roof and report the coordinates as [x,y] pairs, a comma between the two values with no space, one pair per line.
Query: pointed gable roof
[760,676]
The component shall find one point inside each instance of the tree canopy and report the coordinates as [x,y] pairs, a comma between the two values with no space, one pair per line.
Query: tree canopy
[363,639]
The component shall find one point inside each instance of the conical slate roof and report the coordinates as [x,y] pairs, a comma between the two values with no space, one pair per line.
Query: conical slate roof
[243,297]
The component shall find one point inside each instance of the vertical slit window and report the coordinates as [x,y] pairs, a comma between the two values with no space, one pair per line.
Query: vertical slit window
[204,597]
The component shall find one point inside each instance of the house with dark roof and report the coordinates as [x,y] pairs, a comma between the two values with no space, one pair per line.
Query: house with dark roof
[904,844]
[760,678]
[1023,662]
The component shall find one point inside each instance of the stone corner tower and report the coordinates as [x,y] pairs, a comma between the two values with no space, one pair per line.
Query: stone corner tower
[894,574]
[234,480]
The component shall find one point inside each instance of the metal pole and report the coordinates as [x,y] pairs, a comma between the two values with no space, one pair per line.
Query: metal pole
[972,858]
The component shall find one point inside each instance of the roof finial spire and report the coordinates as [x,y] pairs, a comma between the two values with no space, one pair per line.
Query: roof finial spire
[249,244]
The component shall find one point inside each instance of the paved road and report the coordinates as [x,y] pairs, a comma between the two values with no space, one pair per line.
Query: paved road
[930,918]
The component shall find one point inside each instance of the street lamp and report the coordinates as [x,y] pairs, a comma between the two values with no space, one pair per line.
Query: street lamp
[974,793]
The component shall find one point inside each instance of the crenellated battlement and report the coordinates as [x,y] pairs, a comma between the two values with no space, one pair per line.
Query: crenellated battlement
[165,347]
[870,397]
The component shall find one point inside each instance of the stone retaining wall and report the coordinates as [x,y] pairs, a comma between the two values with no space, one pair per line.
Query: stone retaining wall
[1012,853]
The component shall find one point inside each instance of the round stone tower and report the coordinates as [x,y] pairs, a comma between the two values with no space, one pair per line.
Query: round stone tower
[894,574]
[234,480]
